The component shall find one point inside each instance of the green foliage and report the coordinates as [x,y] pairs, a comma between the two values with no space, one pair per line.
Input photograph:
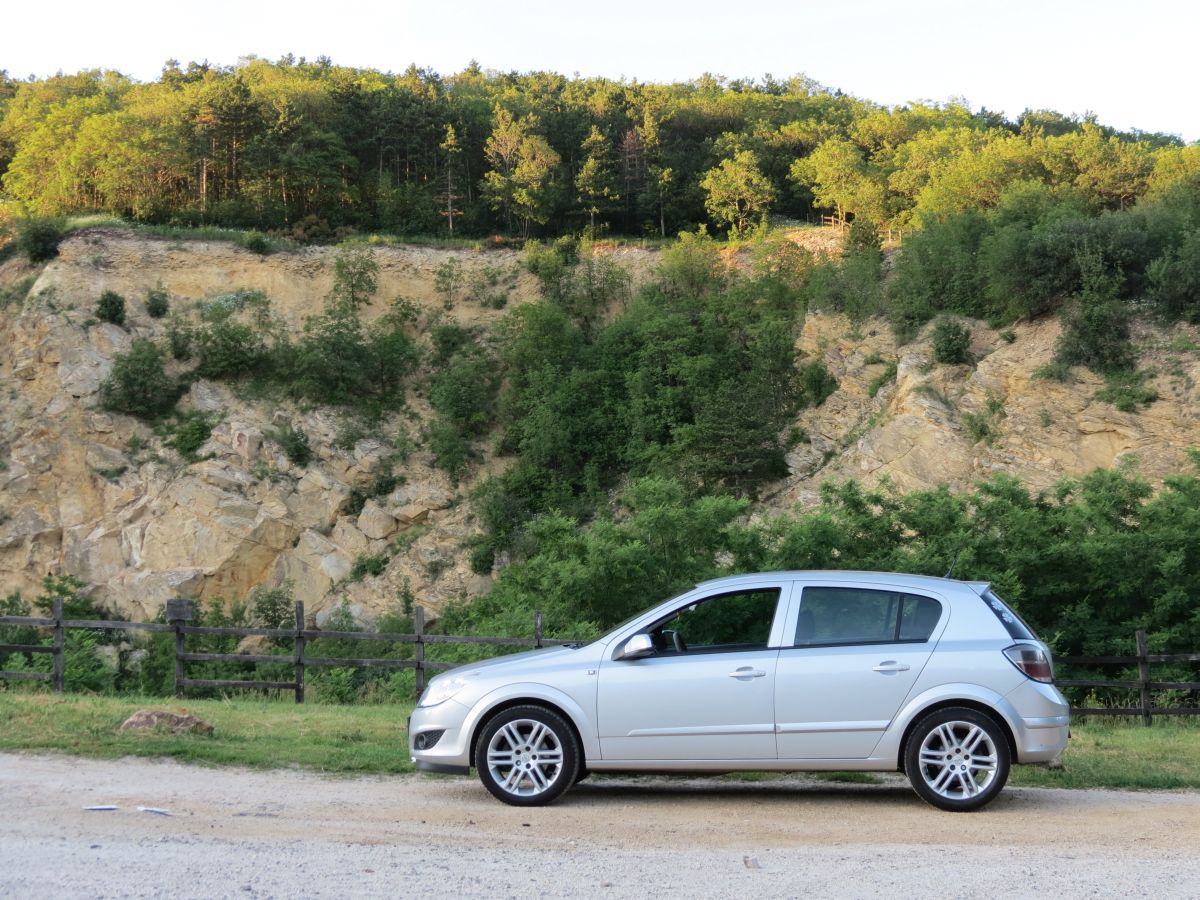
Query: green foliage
[738,192]
[884,378]
[158,302]
[450,448]
[111,308]
[38,238]
[366,564]
[951,342]
[1095,329]
[1127,390]
[138,384]
[380,486]
[816,384]
[257,242]
[294,443]
[186,432]
[355,277]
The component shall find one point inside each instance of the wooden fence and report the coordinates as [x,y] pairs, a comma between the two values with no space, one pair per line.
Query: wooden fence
[1144,684]
[181,612]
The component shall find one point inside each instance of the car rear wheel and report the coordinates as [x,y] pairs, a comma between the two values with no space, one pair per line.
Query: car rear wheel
[527,756]
[957,759]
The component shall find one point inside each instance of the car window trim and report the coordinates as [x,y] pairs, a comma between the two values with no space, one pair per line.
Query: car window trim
[788,639]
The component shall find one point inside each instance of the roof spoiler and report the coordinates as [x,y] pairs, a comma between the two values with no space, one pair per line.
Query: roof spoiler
[979,587]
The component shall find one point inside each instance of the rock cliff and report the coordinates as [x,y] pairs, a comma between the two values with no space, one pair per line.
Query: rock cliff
[102,497]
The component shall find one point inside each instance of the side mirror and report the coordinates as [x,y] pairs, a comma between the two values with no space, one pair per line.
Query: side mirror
[637,647]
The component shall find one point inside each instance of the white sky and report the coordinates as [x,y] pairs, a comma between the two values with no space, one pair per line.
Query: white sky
[1131,63]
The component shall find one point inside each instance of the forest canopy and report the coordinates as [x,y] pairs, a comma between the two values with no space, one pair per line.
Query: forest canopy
[310,147]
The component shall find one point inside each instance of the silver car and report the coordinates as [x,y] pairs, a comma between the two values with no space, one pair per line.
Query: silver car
[784,671]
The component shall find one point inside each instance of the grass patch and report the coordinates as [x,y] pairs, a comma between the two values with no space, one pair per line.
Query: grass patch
[261,734]
[1124,756]
[1127,390]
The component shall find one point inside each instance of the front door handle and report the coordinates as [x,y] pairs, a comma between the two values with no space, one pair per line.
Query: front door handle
[889,666]
[747,672]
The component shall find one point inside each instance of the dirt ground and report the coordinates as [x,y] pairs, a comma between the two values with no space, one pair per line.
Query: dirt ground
[288,833]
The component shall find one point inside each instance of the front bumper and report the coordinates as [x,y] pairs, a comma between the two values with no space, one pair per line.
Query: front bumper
[451,755]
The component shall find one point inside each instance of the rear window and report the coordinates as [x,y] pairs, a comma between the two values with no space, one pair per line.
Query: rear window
[1013,624]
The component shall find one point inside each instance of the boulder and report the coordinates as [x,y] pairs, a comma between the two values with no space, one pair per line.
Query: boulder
[160,721]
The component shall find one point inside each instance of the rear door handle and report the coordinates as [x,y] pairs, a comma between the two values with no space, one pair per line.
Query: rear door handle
[890,665]
[747,672]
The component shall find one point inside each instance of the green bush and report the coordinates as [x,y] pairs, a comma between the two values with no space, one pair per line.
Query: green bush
[294,443]
[111,308]
[257,242]
[228,349]
[158,302]
[1127,390]
[139,384]
[816,384]
[38,239]
[187,432]
[951,342]
[450,449]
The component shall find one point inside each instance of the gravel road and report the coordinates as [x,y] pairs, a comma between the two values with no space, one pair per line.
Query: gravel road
[289,833]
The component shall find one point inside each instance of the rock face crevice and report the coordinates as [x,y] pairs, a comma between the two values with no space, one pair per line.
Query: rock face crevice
[98,495]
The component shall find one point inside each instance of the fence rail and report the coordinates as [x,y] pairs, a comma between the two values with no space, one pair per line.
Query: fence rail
[181,612]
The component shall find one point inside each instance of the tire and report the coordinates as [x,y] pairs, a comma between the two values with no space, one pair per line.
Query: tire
[527,756]
[957,759]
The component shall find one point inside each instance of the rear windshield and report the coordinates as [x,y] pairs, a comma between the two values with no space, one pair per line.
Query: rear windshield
[1016,627]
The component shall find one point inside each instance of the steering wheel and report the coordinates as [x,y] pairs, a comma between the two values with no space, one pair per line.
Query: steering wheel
[678,641]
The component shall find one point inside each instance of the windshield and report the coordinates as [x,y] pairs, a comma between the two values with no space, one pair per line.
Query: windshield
[639,614]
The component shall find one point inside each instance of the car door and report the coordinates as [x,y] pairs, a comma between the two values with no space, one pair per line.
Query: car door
[852,655]
[707,690]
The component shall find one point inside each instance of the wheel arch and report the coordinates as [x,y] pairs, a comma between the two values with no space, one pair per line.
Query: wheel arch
[957,702]
[525,699]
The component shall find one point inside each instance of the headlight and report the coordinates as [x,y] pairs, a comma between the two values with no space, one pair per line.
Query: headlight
[444,687]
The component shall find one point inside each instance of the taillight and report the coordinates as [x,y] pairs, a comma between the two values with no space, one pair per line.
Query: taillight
[1033,661]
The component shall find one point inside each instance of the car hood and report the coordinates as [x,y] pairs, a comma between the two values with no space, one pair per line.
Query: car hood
[530,660]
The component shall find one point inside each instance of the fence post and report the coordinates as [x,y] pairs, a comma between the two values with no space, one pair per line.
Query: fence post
[537,628]
[298,659]
[1144,677]
[419,647]
[59,658]
[179,613]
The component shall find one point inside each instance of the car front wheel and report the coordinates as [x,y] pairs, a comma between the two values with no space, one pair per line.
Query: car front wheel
[527,756]
[957,759]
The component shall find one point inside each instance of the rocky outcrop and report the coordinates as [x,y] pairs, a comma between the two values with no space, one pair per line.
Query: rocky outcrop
[935,424]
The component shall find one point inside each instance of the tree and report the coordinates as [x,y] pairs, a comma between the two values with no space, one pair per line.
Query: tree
[737,191]
[841,179]
[522,166]
[451,146]
[356,276]
[597,178]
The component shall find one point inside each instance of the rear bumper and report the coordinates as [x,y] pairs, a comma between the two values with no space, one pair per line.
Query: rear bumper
[1044,721]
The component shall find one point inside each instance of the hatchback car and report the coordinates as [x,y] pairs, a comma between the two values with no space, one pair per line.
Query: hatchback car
[784,671]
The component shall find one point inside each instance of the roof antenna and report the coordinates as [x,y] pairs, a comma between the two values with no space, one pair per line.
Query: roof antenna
[954,562]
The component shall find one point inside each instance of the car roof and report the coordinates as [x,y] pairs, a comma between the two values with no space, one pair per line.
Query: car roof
[900,579]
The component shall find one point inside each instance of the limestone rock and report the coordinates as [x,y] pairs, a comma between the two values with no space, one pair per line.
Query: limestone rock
[374,522]
[162,721]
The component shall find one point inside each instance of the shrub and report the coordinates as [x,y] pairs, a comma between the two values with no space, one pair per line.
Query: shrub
[188,432]
[816,384]
[257,242]
[158,302]
[1127,390]
[367,564]
[951,342]
[228,349]
[450,449]
[38,239]
[138,384]
[111,308]
[273,607]
[294,443]
[887,376]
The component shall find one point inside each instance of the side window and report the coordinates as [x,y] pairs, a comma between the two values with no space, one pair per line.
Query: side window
[838,615]
[735,621]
